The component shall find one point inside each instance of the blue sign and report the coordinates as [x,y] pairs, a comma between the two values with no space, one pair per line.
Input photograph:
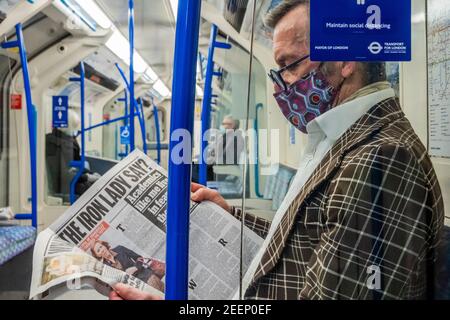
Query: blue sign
[60,111]
[125,135]
[361,30]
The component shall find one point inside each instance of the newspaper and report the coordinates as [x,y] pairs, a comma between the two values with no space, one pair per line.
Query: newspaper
[6,214]
[115,233]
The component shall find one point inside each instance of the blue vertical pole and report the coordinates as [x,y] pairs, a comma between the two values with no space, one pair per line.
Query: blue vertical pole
[79,164]
[125,101]
[158,132]
[140,105]
[182,118]
[83,123]
[206,107]
[116,142]
[139,108]
[32,123]
[132,98]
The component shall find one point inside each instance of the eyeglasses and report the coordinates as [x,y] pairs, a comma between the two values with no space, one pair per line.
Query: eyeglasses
[276,75]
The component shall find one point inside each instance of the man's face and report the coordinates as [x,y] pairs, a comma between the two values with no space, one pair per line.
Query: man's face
[228,124]
[290,43]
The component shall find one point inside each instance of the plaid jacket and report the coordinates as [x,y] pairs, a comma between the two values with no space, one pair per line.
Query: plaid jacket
[366,225]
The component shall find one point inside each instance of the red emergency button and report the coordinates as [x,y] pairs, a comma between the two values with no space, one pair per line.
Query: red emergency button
[16,102]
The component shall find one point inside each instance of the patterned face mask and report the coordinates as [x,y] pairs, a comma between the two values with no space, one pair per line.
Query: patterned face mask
[306,99]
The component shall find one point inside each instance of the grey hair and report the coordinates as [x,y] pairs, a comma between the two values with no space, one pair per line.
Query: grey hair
[373,71]
[276,14]
[236,122]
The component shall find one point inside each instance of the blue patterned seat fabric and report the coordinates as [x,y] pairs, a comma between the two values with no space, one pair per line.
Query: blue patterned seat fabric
[277,186]
[14,240]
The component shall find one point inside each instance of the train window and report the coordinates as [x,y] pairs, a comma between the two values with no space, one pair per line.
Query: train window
[62,147]
[225,153]
[5,64]
[151,126]
[111,146]
[151,131]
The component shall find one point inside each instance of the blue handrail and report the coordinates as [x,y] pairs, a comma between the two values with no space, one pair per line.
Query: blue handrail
[124,118]
[116,143]
[32,123]
[80,165]
[256,125]
[140,113]
[142,125]
[158,133]
[182,118]
[206,107]
[127,117]
[131,83]
[207,97]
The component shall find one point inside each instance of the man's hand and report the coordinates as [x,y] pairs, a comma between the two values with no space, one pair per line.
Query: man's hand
[201,193]
[124,292]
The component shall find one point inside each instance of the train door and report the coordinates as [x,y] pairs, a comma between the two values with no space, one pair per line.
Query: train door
[40,32]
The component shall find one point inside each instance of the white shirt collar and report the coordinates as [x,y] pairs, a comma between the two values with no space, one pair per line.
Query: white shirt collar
[338,120]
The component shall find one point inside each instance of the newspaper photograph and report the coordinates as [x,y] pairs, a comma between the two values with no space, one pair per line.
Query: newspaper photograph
[116,232]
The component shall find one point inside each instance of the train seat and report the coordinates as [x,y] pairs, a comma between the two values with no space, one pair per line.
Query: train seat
[278,185]
[276,188]
[14,240]
[228,181]
[100,165]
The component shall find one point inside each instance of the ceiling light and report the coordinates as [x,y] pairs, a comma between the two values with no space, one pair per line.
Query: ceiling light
[119,45]
[140,66]
[161,88]
[94,11]
[149,73]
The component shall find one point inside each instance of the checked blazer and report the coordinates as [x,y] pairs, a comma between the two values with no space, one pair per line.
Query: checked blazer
[366,225]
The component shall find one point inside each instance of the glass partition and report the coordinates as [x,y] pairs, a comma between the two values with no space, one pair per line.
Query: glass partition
[225,139]
[112,148]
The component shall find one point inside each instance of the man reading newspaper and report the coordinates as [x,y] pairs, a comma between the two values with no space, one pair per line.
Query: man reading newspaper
[113,237]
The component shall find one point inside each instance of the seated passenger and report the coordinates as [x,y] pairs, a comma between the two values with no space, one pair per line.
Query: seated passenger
[61,148]
[225,148]
[228,147]
[364,215]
